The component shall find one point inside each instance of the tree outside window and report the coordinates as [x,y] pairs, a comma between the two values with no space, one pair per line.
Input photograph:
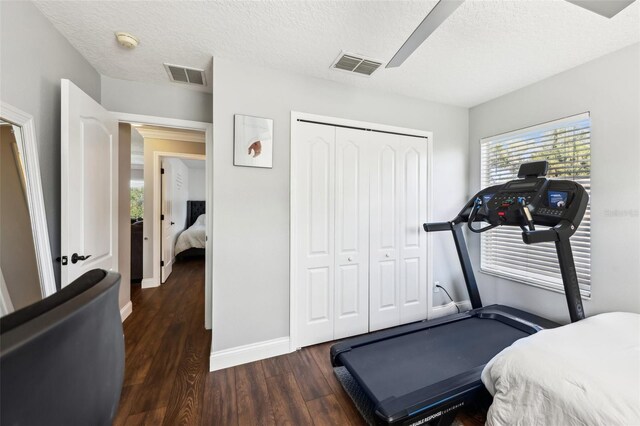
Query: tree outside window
[137,201]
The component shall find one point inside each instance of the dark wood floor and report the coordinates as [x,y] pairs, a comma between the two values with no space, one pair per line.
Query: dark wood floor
[167,378]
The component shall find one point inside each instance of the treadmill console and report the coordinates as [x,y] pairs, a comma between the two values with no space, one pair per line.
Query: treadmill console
[526,202]
[548,201]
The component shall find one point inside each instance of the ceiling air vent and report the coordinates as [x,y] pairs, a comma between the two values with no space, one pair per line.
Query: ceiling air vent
[355,63]
[180,74]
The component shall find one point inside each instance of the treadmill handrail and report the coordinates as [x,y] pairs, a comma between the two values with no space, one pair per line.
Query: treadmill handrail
[437,226]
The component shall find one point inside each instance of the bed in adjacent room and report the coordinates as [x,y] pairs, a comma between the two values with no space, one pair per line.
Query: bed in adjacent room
[585,373]
[192,241]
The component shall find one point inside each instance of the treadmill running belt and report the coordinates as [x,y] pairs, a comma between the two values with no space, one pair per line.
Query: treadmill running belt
[399,366]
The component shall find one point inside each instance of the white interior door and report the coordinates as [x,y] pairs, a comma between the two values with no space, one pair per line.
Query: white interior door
[167,223]
[174,192]
[89,184]
[314,243]
[398,255]
[351,233]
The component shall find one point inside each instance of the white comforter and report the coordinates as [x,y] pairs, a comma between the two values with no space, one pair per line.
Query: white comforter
[193,237]
[586,373]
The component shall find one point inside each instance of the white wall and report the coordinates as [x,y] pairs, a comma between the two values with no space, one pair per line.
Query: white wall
[609,88]
[161,100]
[251,206]
[34,56]
[197,184]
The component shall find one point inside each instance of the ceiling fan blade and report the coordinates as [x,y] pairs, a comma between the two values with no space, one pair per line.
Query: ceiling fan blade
[434,19]
[606,8]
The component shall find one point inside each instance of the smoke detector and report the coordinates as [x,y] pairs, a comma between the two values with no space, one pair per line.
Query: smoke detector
[358,64]
[181,74]
[127,40]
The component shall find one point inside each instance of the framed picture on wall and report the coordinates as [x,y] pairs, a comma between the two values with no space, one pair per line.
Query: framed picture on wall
[253,141]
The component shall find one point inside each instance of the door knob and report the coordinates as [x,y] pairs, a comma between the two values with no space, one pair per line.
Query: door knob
[349,259]
[386,255]
[75,257]
[173,223]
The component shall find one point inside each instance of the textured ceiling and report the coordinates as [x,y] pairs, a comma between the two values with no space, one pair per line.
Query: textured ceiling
[485,49]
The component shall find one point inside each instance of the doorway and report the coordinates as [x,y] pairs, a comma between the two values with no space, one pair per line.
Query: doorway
[182,210]
[169,164]
[95,186]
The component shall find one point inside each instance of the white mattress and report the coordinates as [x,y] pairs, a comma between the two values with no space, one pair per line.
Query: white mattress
[586,373]
[192,237]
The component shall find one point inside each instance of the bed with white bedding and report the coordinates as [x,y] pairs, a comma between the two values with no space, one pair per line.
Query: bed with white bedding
[586,373]
[193,237]
[191,242]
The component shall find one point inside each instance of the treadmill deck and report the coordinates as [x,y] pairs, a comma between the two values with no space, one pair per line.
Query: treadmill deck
[404,364]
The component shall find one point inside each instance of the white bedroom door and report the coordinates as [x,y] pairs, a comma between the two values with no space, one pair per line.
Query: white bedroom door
[89,197]
[166,219]
[314,242]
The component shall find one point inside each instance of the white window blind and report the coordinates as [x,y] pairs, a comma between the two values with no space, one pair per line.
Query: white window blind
[566,145]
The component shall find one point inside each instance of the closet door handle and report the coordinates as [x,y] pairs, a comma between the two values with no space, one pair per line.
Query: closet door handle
[386,255]
[349,259]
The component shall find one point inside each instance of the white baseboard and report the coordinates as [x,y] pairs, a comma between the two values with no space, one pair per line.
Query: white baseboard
[149,283]
[126,310]
[248,353]
[450,308]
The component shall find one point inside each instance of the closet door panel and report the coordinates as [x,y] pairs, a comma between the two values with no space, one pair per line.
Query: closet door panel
[413,212]
[384,199]
[314,242]
[352,234]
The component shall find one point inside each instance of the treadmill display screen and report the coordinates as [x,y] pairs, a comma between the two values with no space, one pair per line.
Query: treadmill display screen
[522,185]
[486,198]
[558,199]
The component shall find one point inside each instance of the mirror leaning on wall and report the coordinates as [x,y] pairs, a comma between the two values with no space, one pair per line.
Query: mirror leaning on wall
[26,269]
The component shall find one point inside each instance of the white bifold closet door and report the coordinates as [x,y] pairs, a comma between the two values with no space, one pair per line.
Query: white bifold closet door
[361,258]
[315,232]
[398,207]
[351,233]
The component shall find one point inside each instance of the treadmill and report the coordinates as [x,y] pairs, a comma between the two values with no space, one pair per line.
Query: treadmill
[424,372]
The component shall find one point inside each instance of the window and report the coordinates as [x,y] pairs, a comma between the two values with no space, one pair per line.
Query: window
[566,145]
[137,199]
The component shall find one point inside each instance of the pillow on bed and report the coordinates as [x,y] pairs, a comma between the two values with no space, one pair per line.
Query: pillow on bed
[585,373]
[200,221]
